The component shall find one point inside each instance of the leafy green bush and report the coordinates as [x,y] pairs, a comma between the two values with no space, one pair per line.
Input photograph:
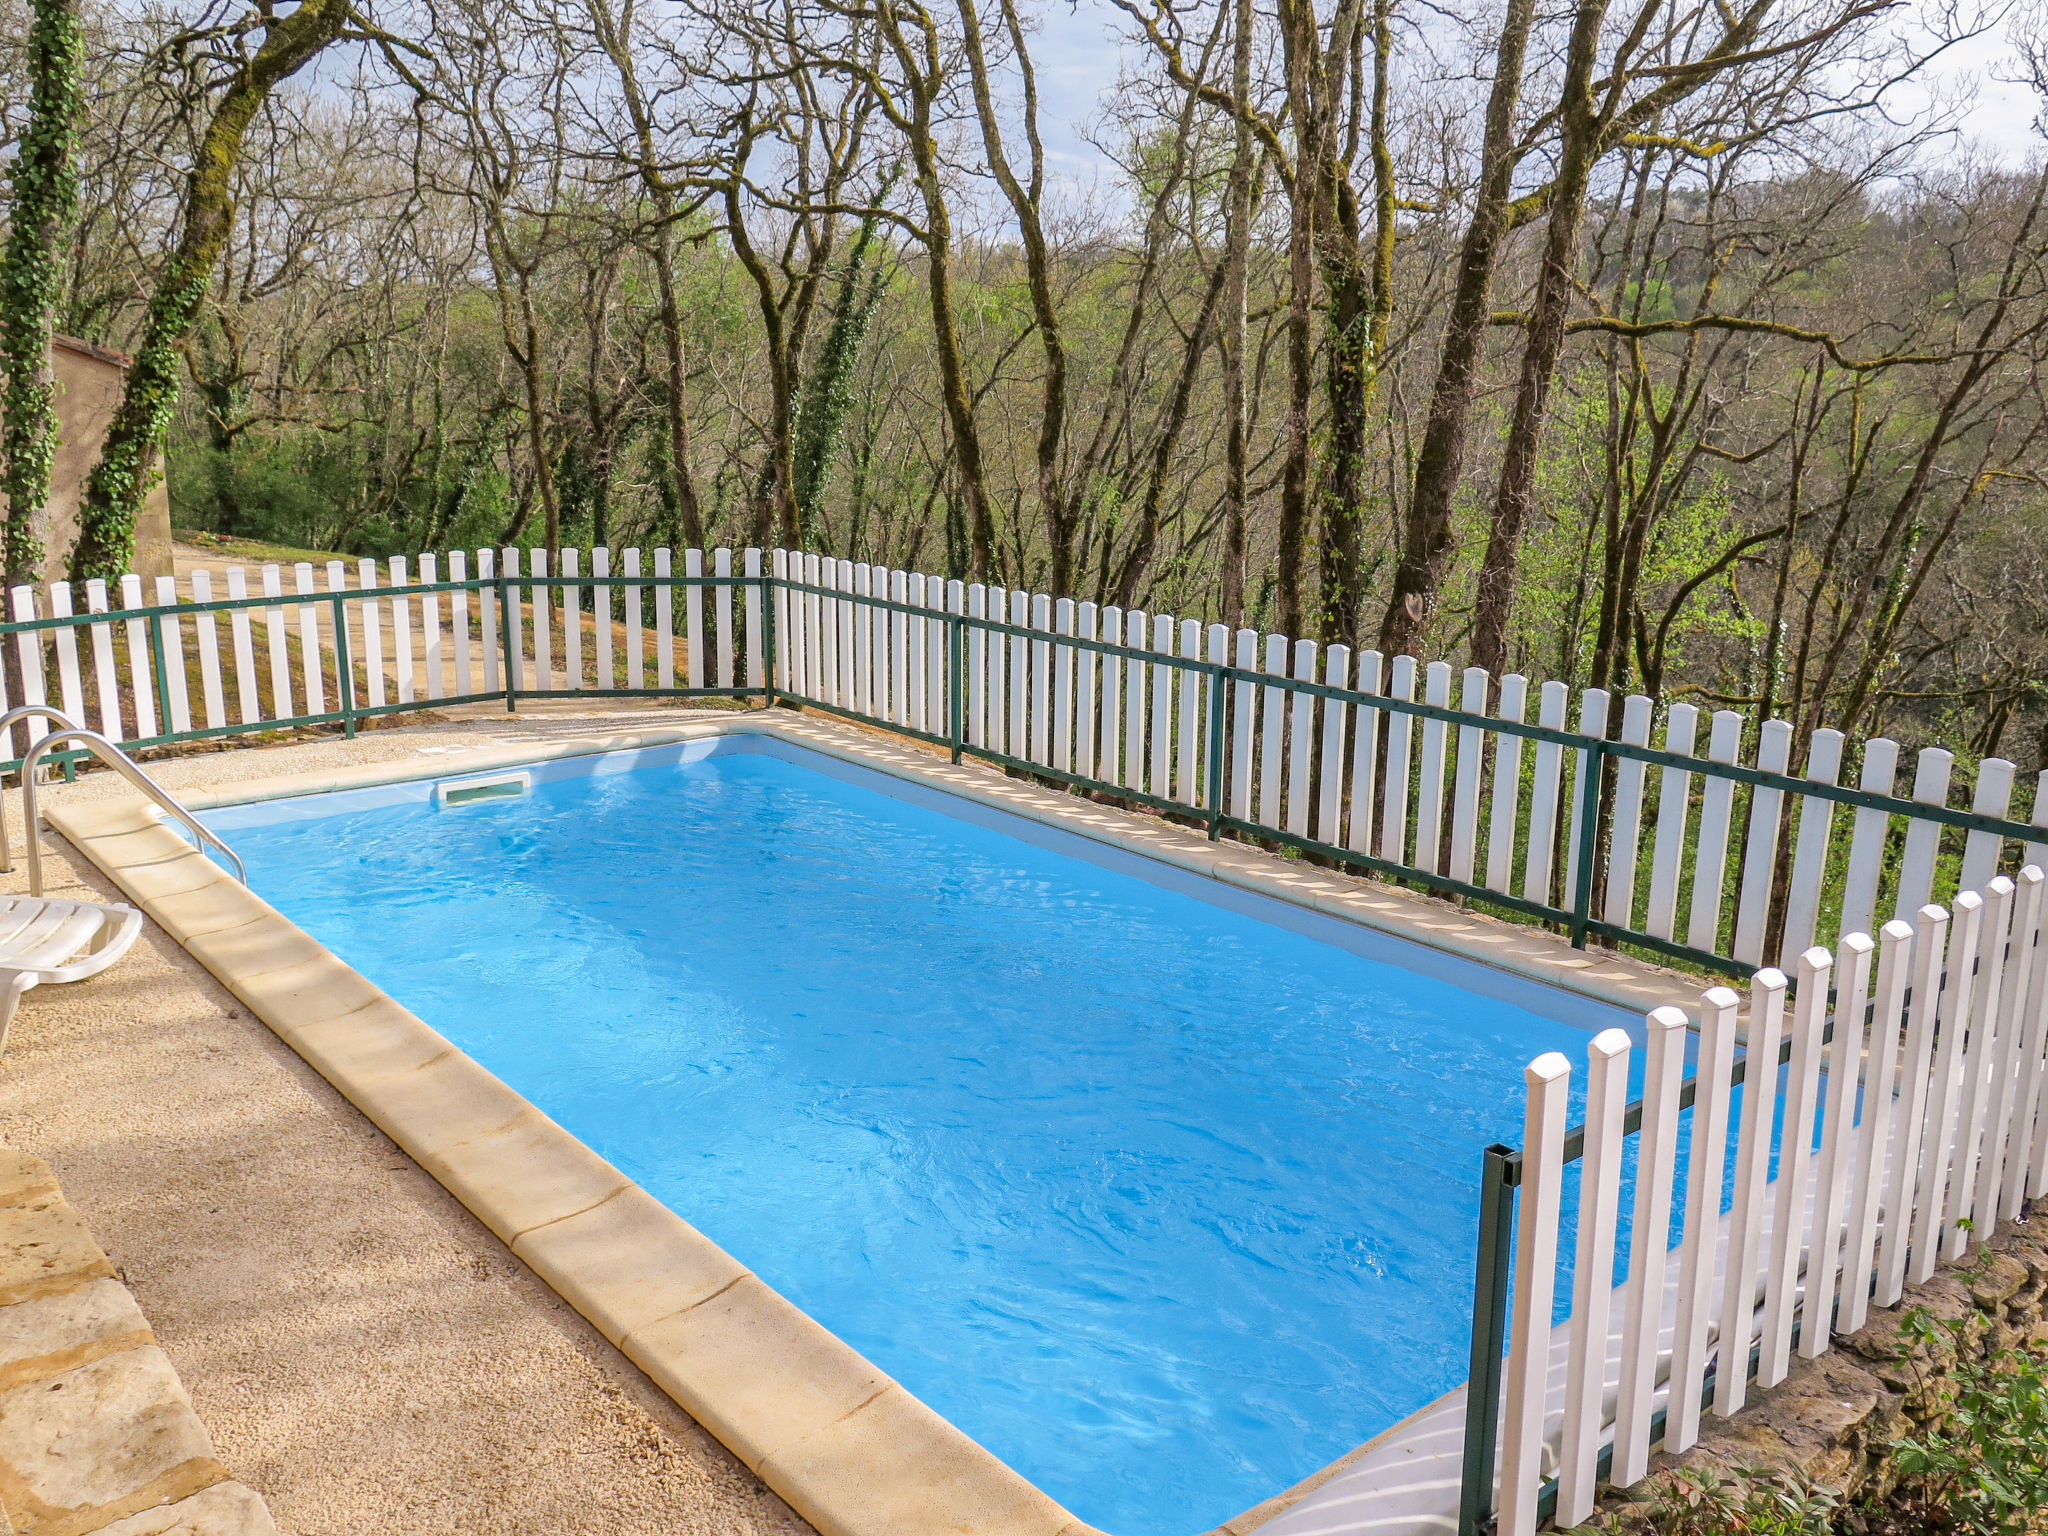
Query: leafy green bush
[1981,1470]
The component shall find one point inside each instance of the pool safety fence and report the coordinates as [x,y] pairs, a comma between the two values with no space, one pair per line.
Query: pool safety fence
[1574,818]
[1900,1119]
[1262,737]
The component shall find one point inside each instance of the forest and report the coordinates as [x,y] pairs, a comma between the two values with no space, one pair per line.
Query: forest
[1684,348]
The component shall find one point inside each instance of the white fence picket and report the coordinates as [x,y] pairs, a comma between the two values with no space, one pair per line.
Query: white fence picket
[1795,1165]
[1993,797]
[721,566]
[244,648]
[1875,1131]
[693,620]
[1593,1275]
[665,619]
[1593,705]
[603,599]
[1979,1053]
[170,628]
[458,626]
[1063,698]
[1272,717]
[1539,860]
[1393,800]
[758,661]
[310,665]
[1710,858]
[1301,727]
[70,691]
[1674,807]
[1760,845]
[1164,686]
[106,687]
[1620,906]
[1465,790]
[1136,638]
[401,629]
[1243,696]
[1810,854]
[1018,734]
[1087,676]
[1696,1310]
[1930,1183]
[1752,1171]
[2016,1032]
[514,637]
[1507,785]
[1548,1085]
[1365,739]
[1429,793]
[1330,800]
[1923,838]
[488,613]
[206,634]
[1649,1258]
[1188,715]
[2025,1162]
[1837,1148]
[1867,838]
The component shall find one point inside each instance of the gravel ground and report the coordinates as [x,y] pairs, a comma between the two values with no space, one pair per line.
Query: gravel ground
[367,1355]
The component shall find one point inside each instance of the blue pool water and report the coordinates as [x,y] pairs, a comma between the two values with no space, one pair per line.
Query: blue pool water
[1166,1205]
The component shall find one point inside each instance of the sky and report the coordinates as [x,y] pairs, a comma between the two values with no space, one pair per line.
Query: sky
[1078,51]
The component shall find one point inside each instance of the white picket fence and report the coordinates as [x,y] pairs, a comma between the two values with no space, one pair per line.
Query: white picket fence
[277,662]
[1687,856]
[1479,806]
[1904,1140]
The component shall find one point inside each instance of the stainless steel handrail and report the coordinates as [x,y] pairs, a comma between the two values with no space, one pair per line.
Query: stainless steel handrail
[7,722]
[122,764]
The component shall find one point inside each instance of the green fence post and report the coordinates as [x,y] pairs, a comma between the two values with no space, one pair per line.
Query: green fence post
[956,646]
[505,637]
[1489,1338]
[1589,839]
[344,671]
[1215,756]
[156,666]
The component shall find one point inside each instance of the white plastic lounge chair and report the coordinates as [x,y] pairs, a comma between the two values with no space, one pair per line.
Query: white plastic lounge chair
[43,939]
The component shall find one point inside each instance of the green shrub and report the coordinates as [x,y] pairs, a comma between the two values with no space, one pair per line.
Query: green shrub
[1982,1469]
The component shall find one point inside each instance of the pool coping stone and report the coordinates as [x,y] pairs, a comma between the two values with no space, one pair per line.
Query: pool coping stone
[751,1371]
[847,1447]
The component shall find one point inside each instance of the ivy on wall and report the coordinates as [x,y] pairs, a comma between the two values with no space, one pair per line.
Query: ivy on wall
[44,183]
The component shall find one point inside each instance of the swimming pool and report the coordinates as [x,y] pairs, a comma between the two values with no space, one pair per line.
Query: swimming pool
[1162,1191]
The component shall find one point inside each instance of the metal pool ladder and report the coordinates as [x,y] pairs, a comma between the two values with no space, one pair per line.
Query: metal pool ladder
[114,758]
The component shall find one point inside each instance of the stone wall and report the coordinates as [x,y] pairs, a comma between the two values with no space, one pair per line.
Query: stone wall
[1831,1419]
[96,1432]
[89,384]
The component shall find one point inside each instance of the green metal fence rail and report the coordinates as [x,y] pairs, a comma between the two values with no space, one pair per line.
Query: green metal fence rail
[1592,754]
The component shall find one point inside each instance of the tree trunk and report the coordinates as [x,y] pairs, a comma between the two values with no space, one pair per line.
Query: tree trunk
[1427,535]
[130,459]
[1236,261]
[1515,494]
[1056,509]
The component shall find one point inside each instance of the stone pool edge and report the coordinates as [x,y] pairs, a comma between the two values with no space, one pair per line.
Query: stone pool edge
[847,1447]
